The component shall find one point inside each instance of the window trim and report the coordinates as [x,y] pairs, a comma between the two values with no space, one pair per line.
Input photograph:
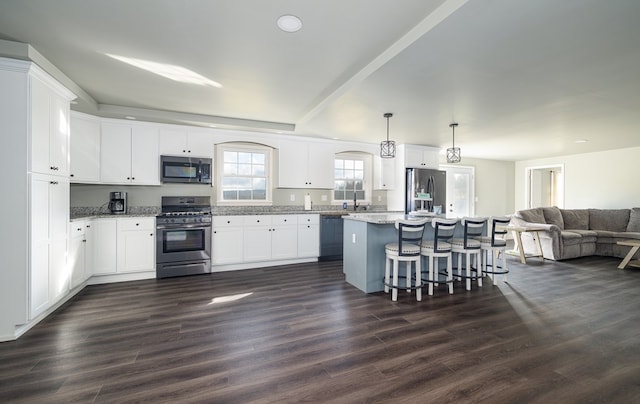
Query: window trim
[244,147]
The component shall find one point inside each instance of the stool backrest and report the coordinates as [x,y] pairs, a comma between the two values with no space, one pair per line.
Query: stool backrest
[443,233]
[498,228]
[410,231]
[473,230]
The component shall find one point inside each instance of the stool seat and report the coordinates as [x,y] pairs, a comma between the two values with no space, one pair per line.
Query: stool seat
[470,246]
[496,244]
[407,249]
[439,247]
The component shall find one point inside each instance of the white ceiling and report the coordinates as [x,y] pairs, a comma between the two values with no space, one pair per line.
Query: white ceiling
[524,79]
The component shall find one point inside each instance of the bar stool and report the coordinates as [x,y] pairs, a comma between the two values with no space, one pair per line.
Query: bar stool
[439,247]
[469,245]
[496,244]
[407,249]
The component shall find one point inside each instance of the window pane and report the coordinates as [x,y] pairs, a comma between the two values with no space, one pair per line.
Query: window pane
[229,195]
[358,164]
[348,164]
[339,163]
[259,184]
[244,169]
[259,194]
[244,158]
[258,158]
[339,185]
[230,157]
[358,174]
[230,169]
[258,171]
[244,195]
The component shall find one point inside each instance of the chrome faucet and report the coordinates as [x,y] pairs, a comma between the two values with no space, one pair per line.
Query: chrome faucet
[355,204]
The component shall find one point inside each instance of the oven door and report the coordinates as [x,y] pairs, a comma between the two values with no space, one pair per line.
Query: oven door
[184,242]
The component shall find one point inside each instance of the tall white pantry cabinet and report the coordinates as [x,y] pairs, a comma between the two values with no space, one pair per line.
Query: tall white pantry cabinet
[34,147]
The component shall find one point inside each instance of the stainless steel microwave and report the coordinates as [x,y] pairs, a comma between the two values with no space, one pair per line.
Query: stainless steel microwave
[189,170]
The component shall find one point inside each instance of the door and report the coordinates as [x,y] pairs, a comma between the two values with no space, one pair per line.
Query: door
[545,186]
[460,191]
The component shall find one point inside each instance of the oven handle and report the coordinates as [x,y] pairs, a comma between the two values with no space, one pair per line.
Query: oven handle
[183,226]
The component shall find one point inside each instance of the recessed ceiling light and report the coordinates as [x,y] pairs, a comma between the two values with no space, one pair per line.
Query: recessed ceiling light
[289,23]
[133,118]
[581,141]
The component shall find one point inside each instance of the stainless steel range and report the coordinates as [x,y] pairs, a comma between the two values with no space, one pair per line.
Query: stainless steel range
[183,236]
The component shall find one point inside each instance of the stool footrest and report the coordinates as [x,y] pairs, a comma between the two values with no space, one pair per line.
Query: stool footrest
[405,287]
[498,271]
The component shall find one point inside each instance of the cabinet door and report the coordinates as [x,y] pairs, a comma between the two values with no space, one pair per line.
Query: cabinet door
[227,245]
[59,135]
[309,235]
[115,152]
[384,173]
[105,236]
[200,144]
[40,120]
[284,242]
[308,240]
[39,269]
[257,243]
[320,164]
[172,142]
[85,150]
[76,256]
[58,238]
[89,244]
[292,165]
[136,244]
[145,161]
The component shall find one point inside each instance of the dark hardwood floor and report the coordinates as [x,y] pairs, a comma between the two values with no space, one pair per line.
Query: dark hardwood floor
[565,332]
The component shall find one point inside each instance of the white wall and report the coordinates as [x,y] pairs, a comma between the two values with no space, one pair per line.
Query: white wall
[606,180]
[494,184]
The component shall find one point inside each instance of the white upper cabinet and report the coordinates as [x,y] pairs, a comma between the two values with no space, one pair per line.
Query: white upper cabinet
[305,165]
[49,129]
[180,142]
[384,173]
[129,154]
[420,156]
[85,149]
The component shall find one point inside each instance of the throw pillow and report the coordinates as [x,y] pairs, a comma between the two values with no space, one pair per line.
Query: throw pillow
[634,220]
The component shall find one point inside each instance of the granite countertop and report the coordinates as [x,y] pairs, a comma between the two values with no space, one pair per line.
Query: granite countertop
[83,213]
[384,217]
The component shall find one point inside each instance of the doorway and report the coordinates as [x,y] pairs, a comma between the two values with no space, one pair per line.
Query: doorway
[460,191]
[544,186]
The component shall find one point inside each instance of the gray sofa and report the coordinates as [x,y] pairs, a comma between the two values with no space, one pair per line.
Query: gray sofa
[572,233]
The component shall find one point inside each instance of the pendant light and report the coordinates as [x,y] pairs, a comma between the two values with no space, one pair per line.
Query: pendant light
[387,147]
[453,152]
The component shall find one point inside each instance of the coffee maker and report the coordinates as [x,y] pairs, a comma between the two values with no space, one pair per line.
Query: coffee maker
[118,203]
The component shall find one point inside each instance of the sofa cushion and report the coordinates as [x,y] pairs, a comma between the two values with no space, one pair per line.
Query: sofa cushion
[552,215]
[575,218]
[571,238]
[634,220]
[588,236]
[534,215]
[609,219]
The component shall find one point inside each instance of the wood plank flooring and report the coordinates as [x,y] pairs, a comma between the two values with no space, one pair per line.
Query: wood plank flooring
[556,332]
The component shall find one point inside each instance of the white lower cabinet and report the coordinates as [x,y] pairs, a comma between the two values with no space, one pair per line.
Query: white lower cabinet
[80,255]
[308,235]
[105,255]
[136,244]
[49,278]
[263,238]
[126,245]
[227,239]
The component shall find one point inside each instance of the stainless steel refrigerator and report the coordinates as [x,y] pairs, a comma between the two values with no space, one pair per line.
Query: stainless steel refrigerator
[424,190]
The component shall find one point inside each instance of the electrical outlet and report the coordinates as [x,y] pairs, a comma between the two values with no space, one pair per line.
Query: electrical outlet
[292,197]
[353,238]
[323,198]
[379,198]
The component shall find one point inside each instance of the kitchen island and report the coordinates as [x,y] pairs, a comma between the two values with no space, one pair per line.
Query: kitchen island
[365,235]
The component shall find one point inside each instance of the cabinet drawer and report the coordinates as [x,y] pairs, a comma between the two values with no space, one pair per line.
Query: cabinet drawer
[309,219]
[257,220]
[136,223]
[227,221]
[284,220]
